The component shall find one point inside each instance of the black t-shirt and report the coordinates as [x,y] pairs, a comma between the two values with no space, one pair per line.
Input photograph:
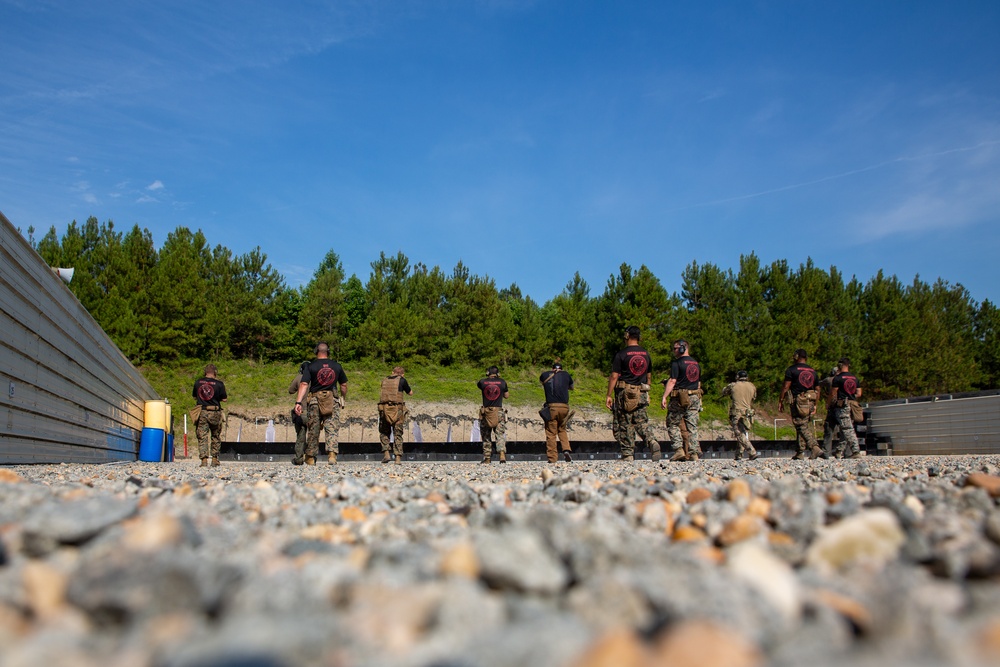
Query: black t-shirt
[803,378]
[632,365]
[323,375]
[556,389]
[846,385]
[209,391]
[686,372]
[493,389]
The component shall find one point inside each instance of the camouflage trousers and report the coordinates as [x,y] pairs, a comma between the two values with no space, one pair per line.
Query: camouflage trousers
[208,431]
[300,438]
[804,435]
[395,447]
[331,427]
[689,415]
[627,425]
[831,431]
[741,431]
[496,434]
[848,440]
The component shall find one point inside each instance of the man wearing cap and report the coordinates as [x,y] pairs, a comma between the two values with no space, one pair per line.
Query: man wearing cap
[492,416]
[557,384]
[741,397]
[800,383]
[392,413]
[628,397]
[682,401]
[208,393]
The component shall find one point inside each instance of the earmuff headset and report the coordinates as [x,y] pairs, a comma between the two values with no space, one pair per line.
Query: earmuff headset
[682,346]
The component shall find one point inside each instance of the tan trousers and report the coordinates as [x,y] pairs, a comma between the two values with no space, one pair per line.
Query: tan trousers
[556,428]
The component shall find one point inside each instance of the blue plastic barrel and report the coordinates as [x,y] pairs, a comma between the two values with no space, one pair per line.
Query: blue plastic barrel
[151,444]
[170,446]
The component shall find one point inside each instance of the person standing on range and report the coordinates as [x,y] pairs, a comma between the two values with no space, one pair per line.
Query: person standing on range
[741,397]
[392,413]
[318,391]
[683,391]
[800,382]
[557,384]
[831,431]
[492,416]
[628,397]
[843,390]
[298,422]
[209,392]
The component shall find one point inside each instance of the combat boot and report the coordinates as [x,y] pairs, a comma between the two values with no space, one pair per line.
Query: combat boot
[817,453]
[798,456]
[503,457]
[204,462]
[656,454]
[297,462]
[399,459]
[567,457]
[754,455]
[628,459]
[215,461]
[679,456]
[386,458]
[332,458]
[694,457]
[486,459]
[310,460]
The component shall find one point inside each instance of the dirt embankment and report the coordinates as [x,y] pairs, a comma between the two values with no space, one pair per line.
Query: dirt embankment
[442,422]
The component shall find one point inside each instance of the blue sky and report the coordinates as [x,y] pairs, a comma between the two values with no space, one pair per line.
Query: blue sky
[527,139]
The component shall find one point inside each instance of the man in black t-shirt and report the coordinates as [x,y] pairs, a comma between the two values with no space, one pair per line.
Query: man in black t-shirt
[628,397]
[209,392]
[843,390]
[682,400]
[319,392]
[800,383]
[492,416]
[557,384]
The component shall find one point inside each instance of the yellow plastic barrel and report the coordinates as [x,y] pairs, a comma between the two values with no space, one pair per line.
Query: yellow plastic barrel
[156,415]
[169,428]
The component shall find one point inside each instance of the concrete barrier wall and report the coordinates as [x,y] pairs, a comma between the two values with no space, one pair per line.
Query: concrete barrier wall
[967,424]
[67,393]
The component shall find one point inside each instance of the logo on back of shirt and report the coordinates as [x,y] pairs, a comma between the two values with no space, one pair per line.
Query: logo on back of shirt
[637,365]
[692,372]
[206,391]
[850,386]
[491,391]
[807,378]
[326,376]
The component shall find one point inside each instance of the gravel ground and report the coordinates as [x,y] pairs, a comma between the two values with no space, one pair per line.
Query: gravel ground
[872,561]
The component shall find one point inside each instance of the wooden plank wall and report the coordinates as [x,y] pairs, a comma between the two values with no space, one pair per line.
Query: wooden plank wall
[67,393]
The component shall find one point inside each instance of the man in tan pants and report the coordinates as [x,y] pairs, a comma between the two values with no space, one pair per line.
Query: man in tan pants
[557,384]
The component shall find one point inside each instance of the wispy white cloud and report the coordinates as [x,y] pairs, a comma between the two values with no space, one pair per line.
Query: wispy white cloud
[155,185]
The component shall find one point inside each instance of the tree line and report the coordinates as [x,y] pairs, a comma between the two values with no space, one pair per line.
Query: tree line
[189,300]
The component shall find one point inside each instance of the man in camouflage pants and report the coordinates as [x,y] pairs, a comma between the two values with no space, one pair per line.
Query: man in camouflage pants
[683,393]
[741,394]
[843,390]
[628,397]
[322,388]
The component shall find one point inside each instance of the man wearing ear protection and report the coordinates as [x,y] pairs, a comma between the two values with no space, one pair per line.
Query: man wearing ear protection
[320,398]
[741,397]
[683,391]
[800,383]
[628,397]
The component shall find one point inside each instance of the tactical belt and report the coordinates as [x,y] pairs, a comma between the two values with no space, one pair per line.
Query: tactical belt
[622,384]
[211,408]
[390,403]
[691,392]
